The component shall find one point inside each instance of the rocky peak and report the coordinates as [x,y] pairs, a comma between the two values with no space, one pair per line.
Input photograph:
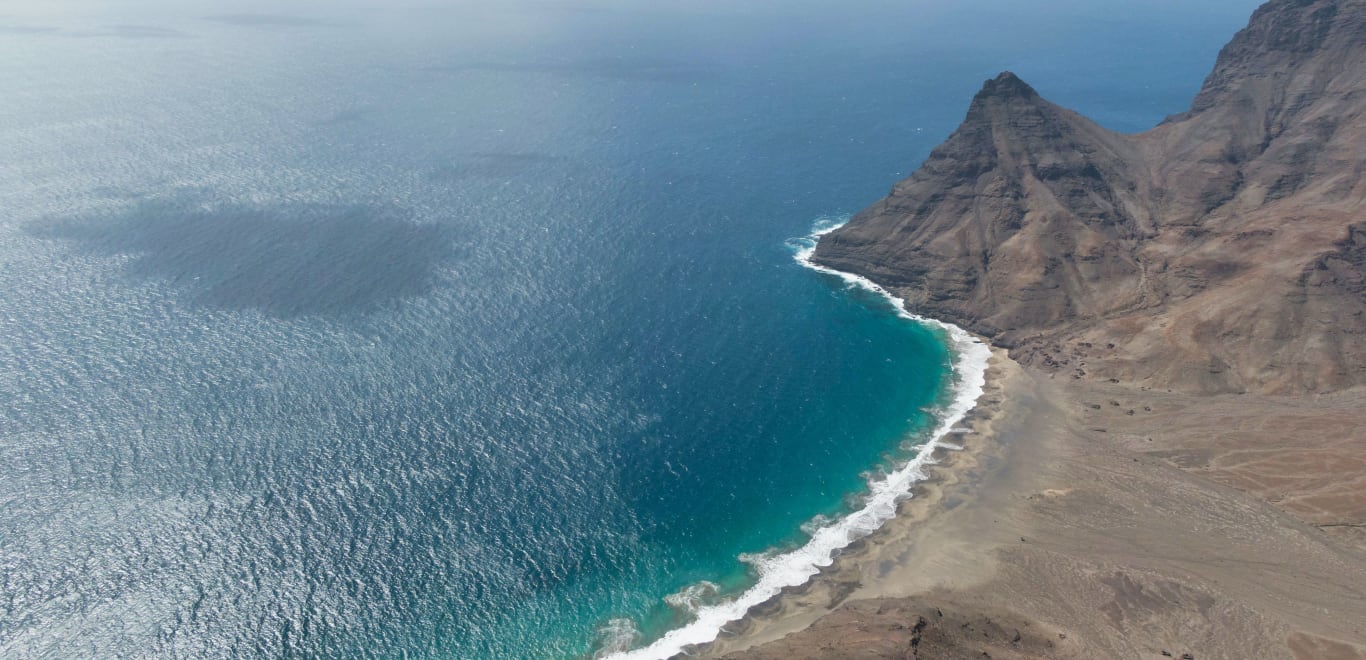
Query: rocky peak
[1195,252]
[1001,101]
[1005,85]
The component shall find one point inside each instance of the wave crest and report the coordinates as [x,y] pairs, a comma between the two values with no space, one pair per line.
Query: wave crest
[616,637]
[693,597]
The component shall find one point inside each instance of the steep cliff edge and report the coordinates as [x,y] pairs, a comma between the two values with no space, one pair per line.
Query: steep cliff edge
[1221,251]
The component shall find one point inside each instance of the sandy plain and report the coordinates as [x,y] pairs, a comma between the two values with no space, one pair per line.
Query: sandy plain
[1085,520]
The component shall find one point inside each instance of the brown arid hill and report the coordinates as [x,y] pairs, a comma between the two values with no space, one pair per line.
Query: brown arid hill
[1170,458]
[1222,251]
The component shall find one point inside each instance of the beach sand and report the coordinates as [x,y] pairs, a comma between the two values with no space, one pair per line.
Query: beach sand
[1105,521]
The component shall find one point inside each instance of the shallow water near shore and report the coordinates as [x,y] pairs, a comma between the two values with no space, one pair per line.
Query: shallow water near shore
[454,331]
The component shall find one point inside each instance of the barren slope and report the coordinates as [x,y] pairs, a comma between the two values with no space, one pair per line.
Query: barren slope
[1223,251]
[1179,469]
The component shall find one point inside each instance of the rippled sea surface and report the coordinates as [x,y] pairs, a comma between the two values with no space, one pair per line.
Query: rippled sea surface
[467,330]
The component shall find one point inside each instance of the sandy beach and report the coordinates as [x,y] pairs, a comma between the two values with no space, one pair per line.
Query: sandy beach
[1083,520]
[1170,459]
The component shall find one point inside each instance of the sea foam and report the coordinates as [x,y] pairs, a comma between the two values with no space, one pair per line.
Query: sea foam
[789,569]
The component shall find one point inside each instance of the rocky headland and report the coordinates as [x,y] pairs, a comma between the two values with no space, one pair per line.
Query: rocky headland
[1172,461]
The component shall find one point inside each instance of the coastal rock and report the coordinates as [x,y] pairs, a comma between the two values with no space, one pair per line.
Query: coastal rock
[1218,252]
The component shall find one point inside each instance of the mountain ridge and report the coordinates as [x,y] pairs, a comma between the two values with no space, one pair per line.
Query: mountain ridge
[1218,252]
[1169,462]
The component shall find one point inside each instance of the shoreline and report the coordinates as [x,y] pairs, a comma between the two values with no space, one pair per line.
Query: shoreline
[881,503]
[1089,520]
[977,449]
[1047,522]
[1175,468]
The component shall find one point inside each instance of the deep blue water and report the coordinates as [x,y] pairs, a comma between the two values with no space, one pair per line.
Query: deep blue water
[460,331]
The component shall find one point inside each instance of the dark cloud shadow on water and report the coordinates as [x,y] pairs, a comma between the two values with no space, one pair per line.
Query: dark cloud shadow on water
[286,261]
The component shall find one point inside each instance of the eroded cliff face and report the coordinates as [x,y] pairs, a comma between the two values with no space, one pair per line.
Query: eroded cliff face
[1218,252]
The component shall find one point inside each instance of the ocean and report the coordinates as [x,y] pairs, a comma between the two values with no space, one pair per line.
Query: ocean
[476,330]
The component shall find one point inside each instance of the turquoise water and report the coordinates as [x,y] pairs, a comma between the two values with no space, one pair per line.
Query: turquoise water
[459,331]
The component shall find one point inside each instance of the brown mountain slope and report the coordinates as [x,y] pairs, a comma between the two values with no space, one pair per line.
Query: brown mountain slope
[1093,514]
[1222,251]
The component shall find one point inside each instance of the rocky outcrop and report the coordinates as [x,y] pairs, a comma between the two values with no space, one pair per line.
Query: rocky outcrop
[1218,252]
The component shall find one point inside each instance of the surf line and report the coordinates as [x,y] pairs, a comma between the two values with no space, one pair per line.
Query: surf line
[794,568]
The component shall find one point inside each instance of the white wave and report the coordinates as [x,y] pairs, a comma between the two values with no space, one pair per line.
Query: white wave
[693,597]
[616,637]
[814,525]
[789,569]
[755,560]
